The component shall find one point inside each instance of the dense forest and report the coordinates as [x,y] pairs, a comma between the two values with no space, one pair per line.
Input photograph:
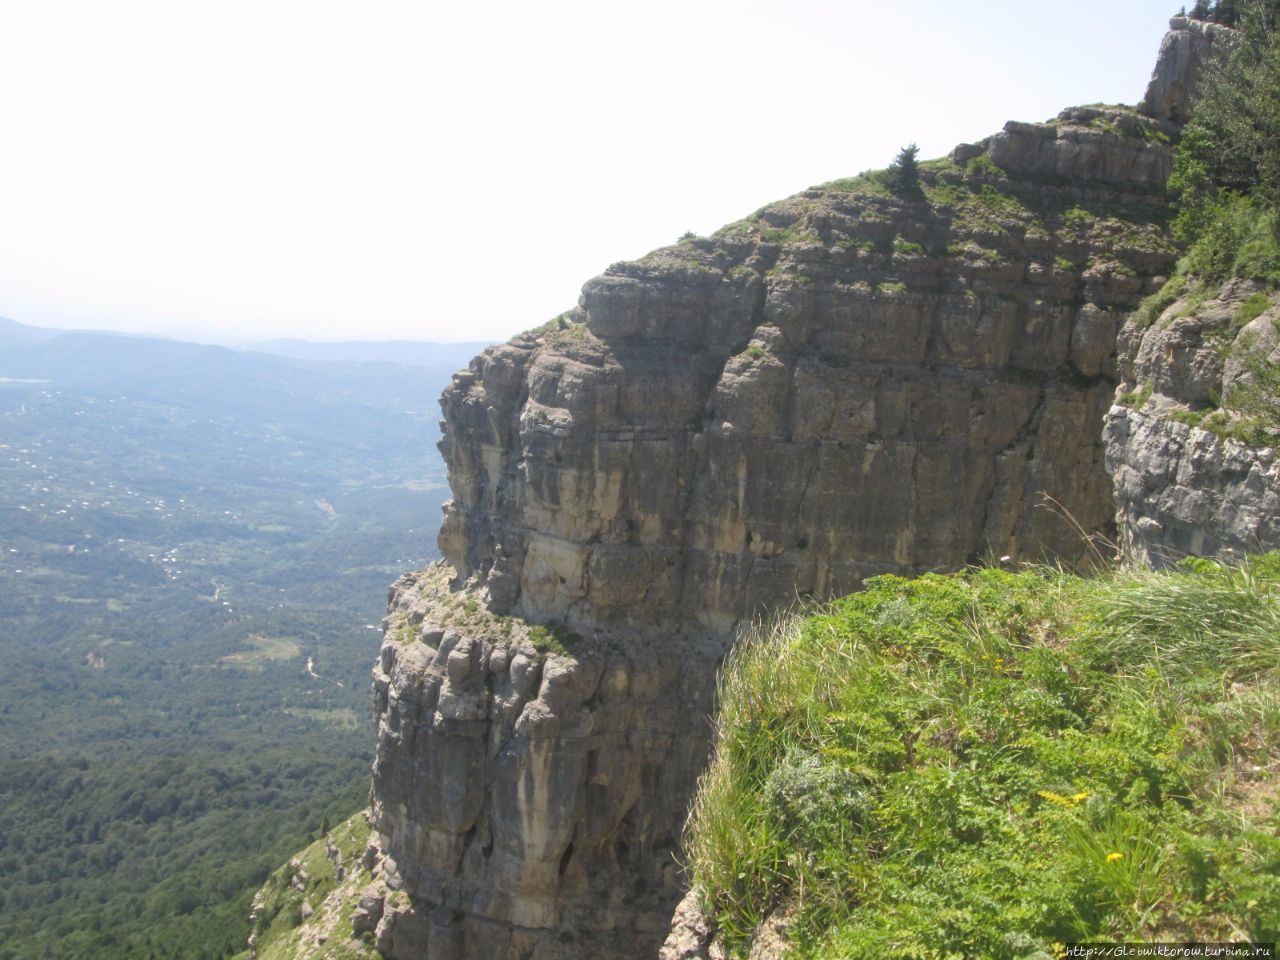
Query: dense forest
[195,546]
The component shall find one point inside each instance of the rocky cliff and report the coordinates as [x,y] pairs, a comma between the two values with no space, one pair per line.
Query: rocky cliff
[1188,479]
[1185,50]
[530,797]
[1190,442]
[848,382]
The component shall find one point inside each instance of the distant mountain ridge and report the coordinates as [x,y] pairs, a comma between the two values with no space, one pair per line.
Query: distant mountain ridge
[412,353]
[11,332]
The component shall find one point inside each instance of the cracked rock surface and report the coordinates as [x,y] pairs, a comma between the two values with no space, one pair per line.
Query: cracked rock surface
[1180,489]
[530,802]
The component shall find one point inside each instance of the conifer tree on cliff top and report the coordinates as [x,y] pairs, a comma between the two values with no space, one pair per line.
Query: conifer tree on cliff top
[903,175]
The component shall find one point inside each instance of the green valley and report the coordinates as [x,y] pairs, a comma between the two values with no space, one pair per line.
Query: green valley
[194,547]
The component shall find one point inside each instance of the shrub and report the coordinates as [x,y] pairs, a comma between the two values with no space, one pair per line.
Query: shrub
[983,166]
[1231,146]
[1236,236]
[903,175]
[1136,399]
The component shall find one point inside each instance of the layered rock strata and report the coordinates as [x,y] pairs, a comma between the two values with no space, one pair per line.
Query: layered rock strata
[846,383]
[1183,484]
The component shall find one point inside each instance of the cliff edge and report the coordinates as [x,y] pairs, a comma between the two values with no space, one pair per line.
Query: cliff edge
[849,382]
[846,383]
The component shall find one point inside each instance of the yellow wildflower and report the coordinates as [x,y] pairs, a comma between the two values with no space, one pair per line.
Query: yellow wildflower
[1052,797]
[1113,857]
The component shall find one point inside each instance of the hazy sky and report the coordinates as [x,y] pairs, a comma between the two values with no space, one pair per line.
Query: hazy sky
[239,170]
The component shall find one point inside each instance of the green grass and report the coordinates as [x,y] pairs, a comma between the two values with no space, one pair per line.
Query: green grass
[1106,125]
[1152,133]
[1250,310]
[405,632]
[263,650]
[279,926]
[1152,307]
[1136,399]
[557,323]
[971,249]
[869,182]
[1250,411]
[1254,405]
[989,763]
[1078,217]
[983,166]
[555,638]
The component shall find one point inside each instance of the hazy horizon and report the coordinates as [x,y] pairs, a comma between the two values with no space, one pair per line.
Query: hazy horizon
[244,341]
[260,171]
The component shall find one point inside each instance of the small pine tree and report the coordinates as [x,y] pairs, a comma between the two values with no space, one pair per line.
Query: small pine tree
[903,175]
[1201,10]
[1225,12]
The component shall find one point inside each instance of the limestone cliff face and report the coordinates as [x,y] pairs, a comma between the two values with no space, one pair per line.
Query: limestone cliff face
[1181,489]
[530,801]
[844,384]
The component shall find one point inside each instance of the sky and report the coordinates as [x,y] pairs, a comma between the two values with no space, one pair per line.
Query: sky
[236,171]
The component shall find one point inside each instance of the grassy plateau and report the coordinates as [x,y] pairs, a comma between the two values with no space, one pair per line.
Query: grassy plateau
[996,762]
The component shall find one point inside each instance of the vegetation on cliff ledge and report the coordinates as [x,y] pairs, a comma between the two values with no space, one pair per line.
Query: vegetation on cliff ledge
[304,908]
[1226,187]
[1226,173]
[989,763]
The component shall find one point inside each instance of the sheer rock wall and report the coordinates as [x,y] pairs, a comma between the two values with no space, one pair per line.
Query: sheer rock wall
[848,384]
[844,384]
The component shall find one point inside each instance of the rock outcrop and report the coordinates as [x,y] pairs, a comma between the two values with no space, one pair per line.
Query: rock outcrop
[1183,484]
[847,383]
[531,799]
[1187,47]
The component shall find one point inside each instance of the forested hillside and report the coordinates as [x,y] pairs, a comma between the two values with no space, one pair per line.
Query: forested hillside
[195,546]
